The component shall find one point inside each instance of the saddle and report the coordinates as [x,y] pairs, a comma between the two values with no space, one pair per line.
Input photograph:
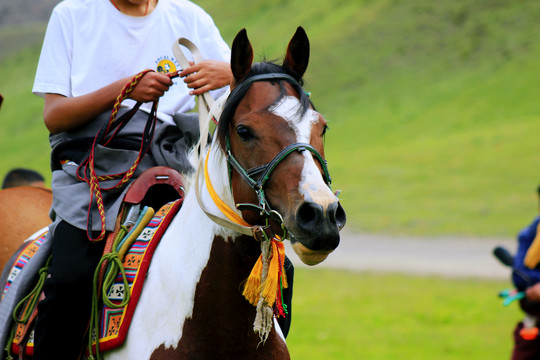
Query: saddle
[157,188]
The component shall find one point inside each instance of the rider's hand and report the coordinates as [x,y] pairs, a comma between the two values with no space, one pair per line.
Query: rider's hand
[533,292]
[151,87]
[207,75]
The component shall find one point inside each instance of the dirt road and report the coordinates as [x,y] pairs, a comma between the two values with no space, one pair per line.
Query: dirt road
[444,256]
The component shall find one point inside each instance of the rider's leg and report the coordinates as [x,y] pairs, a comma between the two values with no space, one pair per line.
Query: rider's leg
[64,313]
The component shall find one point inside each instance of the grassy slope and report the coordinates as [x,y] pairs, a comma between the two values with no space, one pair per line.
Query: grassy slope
[431,106]
[23,136]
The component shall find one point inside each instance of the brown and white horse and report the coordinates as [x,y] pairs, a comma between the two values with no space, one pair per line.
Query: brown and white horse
[23,211]
[191,306]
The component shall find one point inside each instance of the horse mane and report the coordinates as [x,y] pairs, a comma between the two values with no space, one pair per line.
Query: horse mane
[260,68]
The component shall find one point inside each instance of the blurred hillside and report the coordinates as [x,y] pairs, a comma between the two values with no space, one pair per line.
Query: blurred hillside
[22,24]
[25,11]
[432,105]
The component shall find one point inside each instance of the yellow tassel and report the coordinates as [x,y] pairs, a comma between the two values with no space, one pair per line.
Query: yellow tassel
[270,286]
[253,287]
[532,258]
[253,283]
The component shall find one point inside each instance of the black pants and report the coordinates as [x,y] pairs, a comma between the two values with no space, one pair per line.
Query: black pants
[65,312]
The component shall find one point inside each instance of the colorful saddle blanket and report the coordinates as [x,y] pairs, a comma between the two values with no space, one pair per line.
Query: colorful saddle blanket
[114,322]
[26,254]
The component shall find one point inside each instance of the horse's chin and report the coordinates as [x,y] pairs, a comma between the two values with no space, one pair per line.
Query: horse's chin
[308,256]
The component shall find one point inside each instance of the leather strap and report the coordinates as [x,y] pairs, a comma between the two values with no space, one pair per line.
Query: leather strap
[205,101]
[207,108]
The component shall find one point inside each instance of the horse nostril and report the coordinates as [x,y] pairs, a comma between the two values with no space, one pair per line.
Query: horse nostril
[308,215]
[336,215]
[320,225]
[312,215]
[331,212]
[339,216]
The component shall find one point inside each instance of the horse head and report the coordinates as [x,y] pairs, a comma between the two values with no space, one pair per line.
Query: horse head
[273,138]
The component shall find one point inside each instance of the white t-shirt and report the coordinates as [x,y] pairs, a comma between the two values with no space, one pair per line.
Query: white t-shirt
[83,36]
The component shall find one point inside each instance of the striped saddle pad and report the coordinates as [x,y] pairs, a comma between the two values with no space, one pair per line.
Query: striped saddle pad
[113,322]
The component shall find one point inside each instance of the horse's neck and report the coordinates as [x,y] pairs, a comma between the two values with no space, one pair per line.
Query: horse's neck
[168,293]
[192,295]
[221,314]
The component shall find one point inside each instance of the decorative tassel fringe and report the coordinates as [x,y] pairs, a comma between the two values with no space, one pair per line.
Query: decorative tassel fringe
[264,286]
[280,309]
[253,283]
[264,320]
[270,289]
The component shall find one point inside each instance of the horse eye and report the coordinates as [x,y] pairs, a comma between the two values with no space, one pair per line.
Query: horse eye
[244,133]
[325,129]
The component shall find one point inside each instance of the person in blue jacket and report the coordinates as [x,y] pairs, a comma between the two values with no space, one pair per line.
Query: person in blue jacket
[527,280]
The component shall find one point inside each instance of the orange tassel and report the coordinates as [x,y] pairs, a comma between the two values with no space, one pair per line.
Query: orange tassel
[270,289]
[251,289]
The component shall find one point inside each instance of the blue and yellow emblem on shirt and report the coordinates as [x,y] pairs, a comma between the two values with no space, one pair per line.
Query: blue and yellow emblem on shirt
[165,64]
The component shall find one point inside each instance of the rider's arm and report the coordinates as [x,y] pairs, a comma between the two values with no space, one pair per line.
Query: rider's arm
[62,113]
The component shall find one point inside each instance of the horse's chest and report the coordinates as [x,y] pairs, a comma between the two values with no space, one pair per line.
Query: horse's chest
[220,326]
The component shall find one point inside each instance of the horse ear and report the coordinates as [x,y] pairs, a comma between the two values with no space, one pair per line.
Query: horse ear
[241,56]
[297,56]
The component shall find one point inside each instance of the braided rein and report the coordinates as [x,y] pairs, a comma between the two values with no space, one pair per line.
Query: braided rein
[87,167]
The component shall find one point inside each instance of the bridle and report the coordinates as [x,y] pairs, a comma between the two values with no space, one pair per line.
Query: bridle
[258,176]
[272,249]
[208,111]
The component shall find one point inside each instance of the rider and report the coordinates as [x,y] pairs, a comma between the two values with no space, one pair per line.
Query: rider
[527,279]
[90,51]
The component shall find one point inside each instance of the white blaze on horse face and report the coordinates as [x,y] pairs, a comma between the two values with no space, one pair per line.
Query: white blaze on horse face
[312,185]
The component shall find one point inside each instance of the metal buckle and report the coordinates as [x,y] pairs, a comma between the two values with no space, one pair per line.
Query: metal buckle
[263,233]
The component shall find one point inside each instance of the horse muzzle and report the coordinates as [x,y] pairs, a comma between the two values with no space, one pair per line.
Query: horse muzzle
[316,230]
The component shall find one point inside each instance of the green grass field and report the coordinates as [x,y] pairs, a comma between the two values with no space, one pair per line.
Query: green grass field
[382,317]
